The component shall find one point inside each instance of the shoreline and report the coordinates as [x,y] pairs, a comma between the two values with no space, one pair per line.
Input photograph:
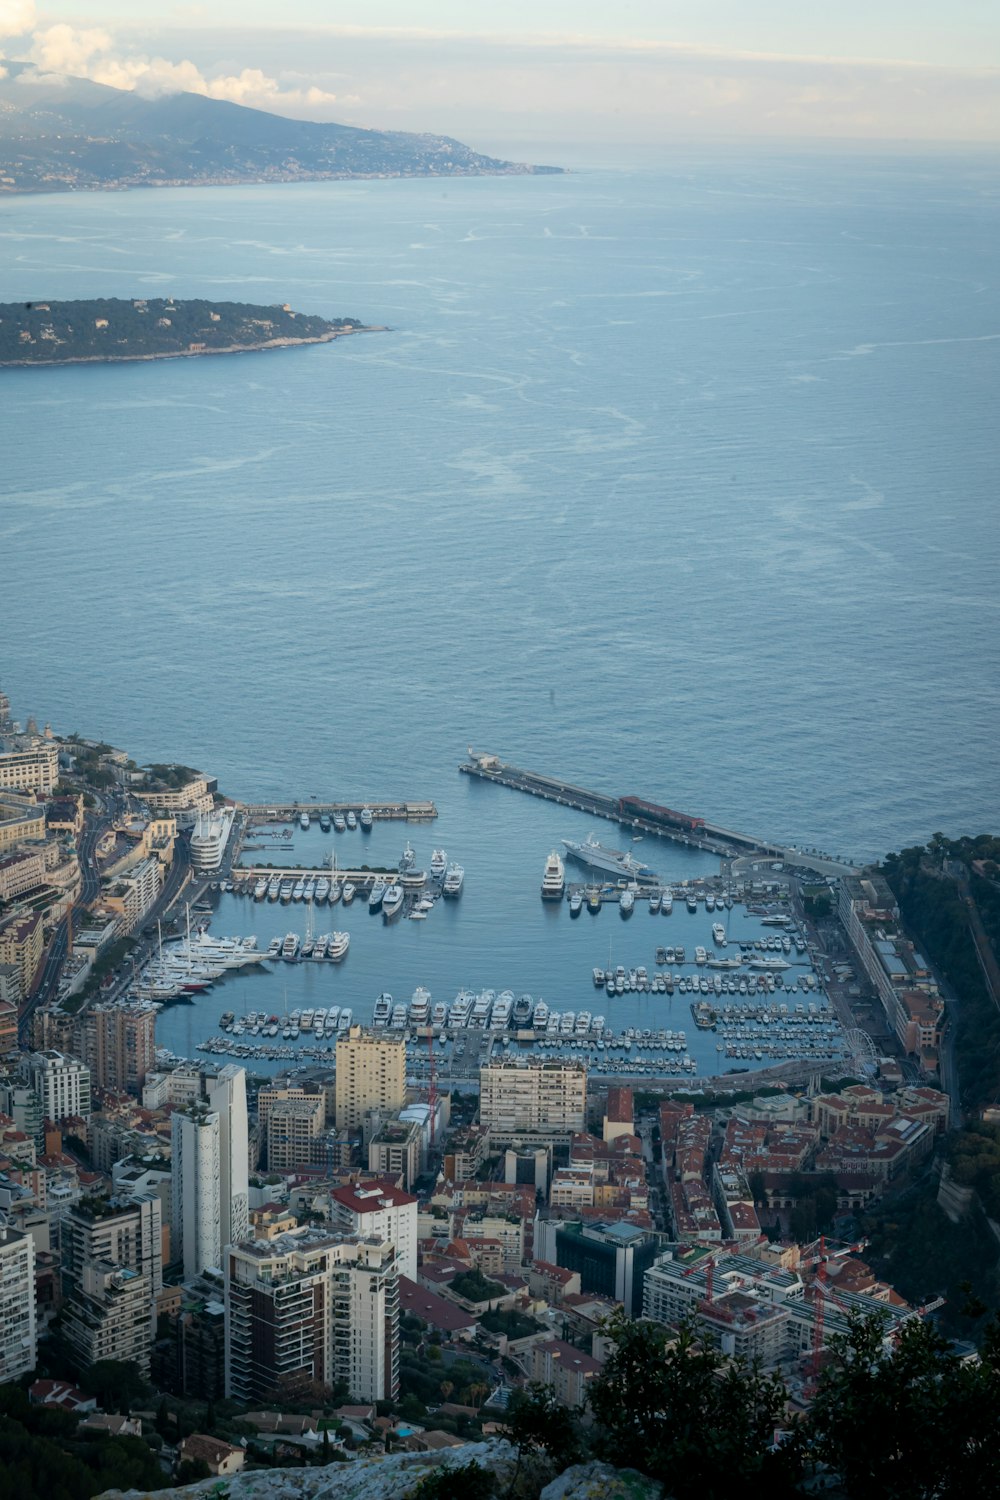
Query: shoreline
[122,359]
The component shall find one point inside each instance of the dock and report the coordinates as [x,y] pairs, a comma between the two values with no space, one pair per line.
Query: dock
[288,812]
[648,818]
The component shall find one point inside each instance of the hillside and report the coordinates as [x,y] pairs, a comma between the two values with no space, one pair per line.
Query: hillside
[60,133]
[110,328]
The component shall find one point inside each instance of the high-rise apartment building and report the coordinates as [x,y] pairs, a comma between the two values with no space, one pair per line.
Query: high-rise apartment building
[522,1099]
[371,1075]
[294,1130]
[118,1044]
[61,1082]
[210,1162]
[305,1310]
[226,1094]
[17,1304]
[122,1231]
[108,1316]
[381,1211]
[196,1161]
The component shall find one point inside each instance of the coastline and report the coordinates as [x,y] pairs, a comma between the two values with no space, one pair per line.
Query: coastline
[121,359]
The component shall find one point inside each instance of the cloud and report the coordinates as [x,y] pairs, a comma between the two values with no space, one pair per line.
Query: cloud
[93,53]
[17,17]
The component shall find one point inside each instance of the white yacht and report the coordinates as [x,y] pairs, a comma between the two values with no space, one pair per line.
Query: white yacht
[700,955]
[460,1008]
[420,1006]
[348,892]
[439,864]
[322,891]
[303,820]
[274,888]
[365,818]
[352,819]
[554,878]
[375,895]
[482,1008]
[439,1015]
[260,888]
[290,947]
[398,1020]
[719,934]
[454,880]
[345,1019]
[392,901]
[626,903]
[338,945]
[503,1007]
[383,1010]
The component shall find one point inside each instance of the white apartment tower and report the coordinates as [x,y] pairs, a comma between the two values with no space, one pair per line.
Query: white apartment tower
[17,1303]
[227,1096]
[371,1075]
[62,1084]
[306,1309]
[196,1163]
[211,1169]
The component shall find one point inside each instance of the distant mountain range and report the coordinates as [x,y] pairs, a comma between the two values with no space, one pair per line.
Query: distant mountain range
[58,132]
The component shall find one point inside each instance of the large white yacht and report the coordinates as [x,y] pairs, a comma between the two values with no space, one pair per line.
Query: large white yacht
[454,880]
[554,878]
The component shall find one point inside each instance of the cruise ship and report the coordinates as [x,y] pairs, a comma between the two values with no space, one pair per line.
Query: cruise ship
[554,879]
[615,861]
[454,880]
[383,1010]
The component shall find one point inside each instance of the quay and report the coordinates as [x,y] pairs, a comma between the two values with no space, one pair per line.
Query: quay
[647,817]
[287,812]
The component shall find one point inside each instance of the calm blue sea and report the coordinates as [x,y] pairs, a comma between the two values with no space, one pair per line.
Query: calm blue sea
[679,483]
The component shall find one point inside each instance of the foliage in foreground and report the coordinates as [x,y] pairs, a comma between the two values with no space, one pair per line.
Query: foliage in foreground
[909,1422]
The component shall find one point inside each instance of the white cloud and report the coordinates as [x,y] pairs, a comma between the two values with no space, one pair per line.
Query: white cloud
[17,17]
[91,52]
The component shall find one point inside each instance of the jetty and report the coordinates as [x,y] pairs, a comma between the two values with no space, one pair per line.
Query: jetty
[644,817]
[288,812]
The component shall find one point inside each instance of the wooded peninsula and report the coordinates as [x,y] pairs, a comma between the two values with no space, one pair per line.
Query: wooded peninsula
[112,328]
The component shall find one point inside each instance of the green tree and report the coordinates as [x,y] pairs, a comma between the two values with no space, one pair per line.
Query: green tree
[116,1383]
[680,1412]
[910,1422]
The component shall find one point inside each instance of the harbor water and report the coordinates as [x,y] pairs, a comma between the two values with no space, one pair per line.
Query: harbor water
[673,483]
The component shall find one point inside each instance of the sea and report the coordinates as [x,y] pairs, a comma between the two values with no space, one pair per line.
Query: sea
[675,481]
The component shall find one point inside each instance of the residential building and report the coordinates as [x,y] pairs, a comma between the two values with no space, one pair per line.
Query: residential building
[62,1084]
[209,838]
[518,1100]
[619,1115]
[566,1369]
[131,895]
[22,819]
[226,1094]
[21,943]
[32,770]
[8,1013]
[179,793]
[124,1232]
[379,1210]
[305,1310]
[108,1316]
[394,1151]
[294,1130]
[201,1352]
[196,1231]
[121,1046]
[17,1305]
[371,1075]
[22,870]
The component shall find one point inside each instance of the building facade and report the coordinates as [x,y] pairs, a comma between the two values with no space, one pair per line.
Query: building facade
[34,770]
[379,1210]
[371,1075]
[62,1084]
[518,1100]
[304,1310]
[18,1353]
[196,1158]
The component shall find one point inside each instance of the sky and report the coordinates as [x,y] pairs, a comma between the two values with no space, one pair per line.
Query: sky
[587,73]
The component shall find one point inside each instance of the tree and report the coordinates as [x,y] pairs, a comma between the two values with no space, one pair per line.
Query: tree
[910,1422]
[116,1383]
[539,1424]
[680,1412]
